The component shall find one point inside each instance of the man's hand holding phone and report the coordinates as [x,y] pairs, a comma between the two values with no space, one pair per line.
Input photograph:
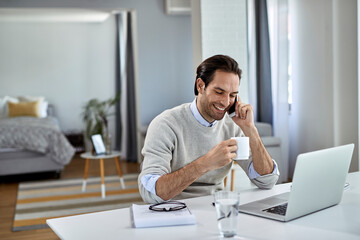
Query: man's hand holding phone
[243,115]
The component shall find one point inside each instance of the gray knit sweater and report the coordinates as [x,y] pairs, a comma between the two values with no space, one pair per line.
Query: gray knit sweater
[175,138]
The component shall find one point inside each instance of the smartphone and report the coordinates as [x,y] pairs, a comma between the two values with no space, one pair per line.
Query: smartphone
[231,110]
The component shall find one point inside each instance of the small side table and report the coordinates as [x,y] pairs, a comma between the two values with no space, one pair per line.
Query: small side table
[115,155]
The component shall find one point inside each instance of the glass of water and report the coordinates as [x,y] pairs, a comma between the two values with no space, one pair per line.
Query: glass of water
[227,209]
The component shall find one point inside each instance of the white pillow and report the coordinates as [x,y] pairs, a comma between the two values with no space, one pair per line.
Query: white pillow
[31,98]
[3,105]
[43,105]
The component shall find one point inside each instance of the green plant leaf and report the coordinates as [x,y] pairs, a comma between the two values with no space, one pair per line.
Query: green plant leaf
[95,115]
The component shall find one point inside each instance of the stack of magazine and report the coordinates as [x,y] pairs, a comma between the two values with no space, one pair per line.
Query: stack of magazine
[143,217]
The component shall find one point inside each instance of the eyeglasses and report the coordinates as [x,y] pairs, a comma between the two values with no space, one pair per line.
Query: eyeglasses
[167,206]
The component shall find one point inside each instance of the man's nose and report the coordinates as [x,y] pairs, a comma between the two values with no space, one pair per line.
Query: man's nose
[226,100]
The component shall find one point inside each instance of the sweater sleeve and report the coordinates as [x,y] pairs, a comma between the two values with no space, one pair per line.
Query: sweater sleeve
[157,151]
[264,181]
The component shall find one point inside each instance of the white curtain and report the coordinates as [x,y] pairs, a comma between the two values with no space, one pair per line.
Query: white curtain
[318,38]
[279,39]
[323,50]
[252,55]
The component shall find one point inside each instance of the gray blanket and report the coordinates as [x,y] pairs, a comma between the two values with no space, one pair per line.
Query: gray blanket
[36,134]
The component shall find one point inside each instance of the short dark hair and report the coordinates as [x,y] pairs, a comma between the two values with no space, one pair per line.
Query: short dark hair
[208,67]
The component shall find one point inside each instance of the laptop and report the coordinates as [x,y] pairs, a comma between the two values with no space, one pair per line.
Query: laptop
[318,183]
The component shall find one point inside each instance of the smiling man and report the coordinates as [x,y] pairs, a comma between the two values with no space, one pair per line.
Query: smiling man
[188,150]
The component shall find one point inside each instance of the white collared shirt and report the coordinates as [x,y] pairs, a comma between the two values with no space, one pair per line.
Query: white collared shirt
[198,117]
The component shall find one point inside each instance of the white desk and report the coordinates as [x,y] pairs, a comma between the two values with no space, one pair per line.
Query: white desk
[339,222]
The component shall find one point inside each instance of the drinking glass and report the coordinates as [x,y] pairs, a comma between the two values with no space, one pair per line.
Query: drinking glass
[227,209]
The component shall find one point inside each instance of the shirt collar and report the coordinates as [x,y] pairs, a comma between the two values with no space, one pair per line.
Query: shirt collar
[198,117]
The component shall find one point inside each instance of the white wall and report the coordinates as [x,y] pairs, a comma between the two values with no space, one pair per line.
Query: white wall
[165,67]
[220,27]
[324,72]
[68,63]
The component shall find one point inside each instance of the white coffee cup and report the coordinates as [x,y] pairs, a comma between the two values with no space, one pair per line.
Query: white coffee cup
[242,153]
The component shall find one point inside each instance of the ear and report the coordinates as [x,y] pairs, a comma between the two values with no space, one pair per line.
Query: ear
[200,85]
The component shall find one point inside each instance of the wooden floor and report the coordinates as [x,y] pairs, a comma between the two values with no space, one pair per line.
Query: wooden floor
[9,187]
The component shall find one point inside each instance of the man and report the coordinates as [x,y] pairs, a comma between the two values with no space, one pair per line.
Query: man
[188,150]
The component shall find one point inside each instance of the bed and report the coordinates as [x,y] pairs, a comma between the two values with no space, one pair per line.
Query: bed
[31,144]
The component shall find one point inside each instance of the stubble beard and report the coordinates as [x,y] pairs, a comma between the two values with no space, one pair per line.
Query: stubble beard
[211,112]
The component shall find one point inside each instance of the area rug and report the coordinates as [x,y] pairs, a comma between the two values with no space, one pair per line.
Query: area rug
[41,200]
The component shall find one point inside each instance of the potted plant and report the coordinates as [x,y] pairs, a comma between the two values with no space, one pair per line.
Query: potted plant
[95,115]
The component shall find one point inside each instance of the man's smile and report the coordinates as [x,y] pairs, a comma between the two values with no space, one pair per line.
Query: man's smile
[222,109]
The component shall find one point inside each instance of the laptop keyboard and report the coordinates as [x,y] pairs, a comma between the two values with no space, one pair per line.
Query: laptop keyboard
[279,209]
